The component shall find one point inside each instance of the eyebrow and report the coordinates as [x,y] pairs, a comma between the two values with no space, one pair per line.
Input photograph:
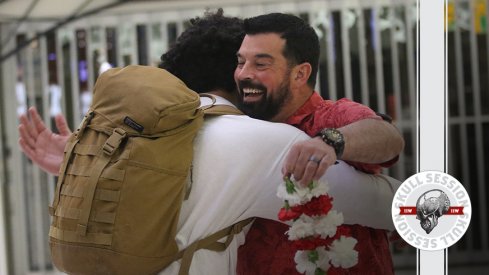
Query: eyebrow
[264,55]
[260,55]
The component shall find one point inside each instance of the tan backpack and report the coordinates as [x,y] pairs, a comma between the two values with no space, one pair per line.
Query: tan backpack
[124,177]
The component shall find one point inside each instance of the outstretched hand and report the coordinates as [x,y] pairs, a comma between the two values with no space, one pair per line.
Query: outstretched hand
[308,160]
[40,144]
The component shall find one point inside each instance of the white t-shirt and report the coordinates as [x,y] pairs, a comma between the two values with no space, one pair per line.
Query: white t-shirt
[236,171]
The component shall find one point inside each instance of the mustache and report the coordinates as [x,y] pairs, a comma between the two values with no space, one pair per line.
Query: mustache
[243,84]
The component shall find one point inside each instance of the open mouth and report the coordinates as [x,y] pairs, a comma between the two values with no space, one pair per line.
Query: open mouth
[250,94]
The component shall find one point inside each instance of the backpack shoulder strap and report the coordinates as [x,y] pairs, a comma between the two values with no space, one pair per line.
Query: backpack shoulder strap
[211,243]
[214,109]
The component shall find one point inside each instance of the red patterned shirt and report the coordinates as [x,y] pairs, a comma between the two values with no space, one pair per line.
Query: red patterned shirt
[267,250]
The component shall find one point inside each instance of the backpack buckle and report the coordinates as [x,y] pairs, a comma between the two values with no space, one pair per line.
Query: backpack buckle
[114,141]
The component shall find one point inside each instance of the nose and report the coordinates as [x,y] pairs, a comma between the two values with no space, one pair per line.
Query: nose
[244,72]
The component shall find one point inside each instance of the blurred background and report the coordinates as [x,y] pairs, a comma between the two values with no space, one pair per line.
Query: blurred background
[53,50]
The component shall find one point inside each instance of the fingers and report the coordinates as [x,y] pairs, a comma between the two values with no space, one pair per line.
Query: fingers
[290,160]
[296,161]
[29,128]
[62,125]
[325,163]
[25,134]
[309,171]
[39,125]
[309,160]
[28,151]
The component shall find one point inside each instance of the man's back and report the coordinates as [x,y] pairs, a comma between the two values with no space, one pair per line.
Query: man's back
[236,171]
[235,175]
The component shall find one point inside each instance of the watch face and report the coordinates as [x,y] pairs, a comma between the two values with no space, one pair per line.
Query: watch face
[334,138]
[333,135]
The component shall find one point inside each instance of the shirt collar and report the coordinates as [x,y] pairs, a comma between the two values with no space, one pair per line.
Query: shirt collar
[306,109]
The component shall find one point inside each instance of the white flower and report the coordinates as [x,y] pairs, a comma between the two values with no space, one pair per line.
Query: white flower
[342,252]
[321,187]
[301,228]
[282,193]
[323,261]
[302,194]
[326,225]
[303,265]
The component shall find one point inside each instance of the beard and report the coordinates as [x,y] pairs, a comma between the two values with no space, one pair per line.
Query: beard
[269,105]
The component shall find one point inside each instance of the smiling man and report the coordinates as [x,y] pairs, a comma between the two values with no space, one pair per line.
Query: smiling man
[276,76]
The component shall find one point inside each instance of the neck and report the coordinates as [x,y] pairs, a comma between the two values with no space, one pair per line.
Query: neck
[295,101]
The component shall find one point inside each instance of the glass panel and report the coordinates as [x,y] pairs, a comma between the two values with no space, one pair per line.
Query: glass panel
[111,36]
[142,43]
[158,46]
[85,92]
[369,15]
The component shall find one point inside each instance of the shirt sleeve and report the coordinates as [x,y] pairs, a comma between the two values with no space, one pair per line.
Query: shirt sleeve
[363,199]
[344,112]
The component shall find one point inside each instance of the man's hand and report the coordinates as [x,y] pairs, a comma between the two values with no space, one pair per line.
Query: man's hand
[42,146]
[309,160]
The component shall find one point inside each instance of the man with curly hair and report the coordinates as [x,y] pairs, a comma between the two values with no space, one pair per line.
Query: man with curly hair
[237,161]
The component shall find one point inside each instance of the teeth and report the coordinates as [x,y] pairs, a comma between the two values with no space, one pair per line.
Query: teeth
[251,91]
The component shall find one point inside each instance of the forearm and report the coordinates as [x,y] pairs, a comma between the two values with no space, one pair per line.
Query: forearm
[371,141]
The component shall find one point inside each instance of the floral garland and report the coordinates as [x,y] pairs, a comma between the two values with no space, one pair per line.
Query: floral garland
[316,233]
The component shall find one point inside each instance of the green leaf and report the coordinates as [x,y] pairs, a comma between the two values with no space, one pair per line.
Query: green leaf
[313,256]
[319,271]
[311,185]
[289,185]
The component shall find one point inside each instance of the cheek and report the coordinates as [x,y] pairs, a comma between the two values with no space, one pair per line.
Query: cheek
[268,81]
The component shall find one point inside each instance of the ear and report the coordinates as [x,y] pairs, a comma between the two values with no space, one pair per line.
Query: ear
[301,73]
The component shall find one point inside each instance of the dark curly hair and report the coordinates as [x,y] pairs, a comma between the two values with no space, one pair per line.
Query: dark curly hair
[204,55]
[301,41]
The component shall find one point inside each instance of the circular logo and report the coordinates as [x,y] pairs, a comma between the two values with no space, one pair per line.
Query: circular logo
[431,210]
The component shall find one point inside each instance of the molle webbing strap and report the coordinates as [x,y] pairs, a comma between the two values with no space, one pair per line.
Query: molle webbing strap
[104,157]
[100,194]
[94,150]
[74,214]
[69,150]
[211,243]
[85,171]
[73,236]
[62,173]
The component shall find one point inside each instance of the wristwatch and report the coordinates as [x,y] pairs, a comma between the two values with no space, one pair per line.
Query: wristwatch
[334,138]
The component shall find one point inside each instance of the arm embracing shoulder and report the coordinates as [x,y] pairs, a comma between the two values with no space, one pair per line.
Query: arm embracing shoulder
[363,199]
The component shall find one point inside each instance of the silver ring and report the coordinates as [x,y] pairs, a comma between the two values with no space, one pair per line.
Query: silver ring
[314,159]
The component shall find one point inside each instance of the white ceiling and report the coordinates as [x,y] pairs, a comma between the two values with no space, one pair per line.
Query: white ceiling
[13,10]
